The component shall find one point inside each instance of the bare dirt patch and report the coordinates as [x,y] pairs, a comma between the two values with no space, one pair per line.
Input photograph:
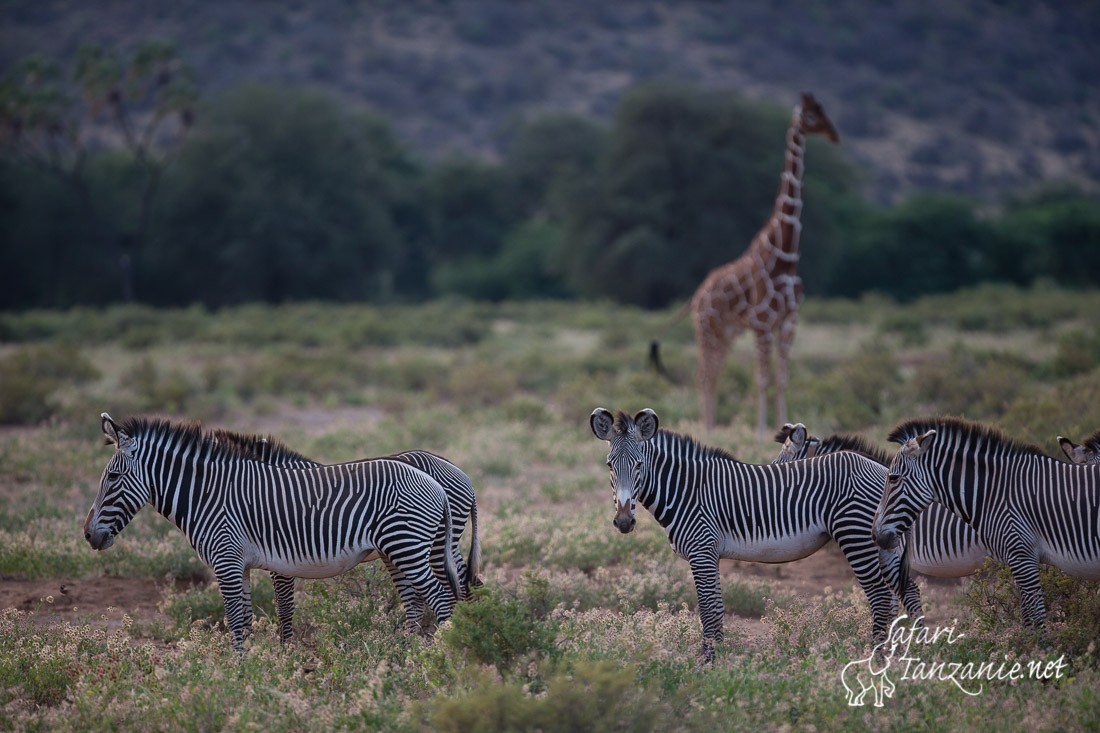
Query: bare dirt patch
[88,600]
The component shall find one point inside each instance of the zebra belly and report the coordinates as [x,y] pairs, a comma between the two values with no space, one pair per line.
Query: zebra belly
[1083,568]
[947,565]
[771,549]
[321,567]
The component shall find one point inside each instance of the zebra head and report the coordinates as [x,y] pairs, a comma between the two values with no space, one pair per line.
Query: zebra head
[123,489]
[1085,454]
[909,489]
[797,443]
[626,459]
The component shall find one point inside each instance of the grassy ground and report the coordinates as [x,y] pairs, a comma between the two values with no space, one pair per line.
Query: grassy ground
[578,627]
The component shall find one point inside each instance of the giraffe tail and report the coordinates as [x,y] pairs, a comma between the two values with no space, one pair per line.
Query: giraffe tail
[655,344]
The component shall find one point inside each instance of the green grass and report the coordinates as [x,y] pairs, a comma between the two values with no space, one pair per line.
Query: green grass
[578,624]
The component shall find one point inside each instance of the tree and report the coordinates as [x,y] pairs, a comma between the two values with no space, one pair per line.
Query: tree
[286,195]
[688,179]
[142,104]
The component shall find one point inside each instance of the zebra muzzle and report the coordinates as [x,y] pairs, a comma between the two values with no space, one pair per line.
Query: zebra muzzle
[99,539]
[624,521]
[887,539]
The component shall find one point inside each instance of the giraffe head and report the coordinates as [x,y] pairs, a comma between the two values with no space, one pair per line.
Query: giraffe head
[814,119]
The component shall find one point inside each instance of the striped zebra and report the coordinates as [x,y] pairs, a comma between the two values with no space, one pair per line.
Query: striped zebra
[240,513]
[939,543]
[456,484]
[1085,454]
[1025,506]
[712,505]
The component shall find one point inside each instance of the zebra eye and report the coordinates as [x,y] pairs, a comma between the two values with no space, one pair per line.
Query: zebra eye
[113,475]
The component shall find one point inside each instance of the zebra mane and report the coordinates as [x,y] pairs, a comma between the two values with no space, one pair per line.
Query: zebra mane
[1093,441]
[690,444]
[966,429]
[187,434]
[856,444]
[260,447]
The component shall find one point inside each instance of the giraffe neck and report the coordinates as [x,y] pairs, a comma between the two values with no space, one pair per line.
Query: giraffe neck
[780,235]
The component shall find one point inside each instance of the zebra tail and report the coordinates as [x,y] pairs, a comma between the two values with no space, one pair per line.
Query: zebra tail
[448,551]
[473,562]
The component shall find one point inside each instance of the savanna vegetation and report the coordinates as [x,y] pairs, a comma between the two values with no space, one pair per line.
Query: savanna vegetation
[118,183]
[577,627]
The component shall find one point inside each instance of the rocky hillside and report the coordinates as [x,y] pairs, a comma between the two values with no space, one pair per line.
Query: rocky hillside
[971,96]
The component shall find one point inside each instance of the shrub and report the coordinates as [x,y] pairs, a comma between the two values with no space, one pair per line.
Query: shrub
[976,384]
[497,630]
[600,696]
[1073,610]
[31,375]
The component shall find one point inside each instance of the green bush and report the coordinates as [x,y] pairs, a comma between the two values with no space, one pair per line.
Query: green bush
[30,377]
[979,385]
[1073,610]
[597,697]
[496,630]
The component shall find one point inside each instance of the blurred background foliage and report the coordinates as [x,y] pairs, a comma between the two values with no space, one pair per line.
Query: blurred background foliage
[122,181]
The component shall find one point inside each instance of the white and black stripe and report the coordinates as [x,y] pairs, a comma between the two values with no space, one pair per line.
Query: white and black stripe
[456,484]
[938,544]
[712,505]
[240,513]
[1025,506]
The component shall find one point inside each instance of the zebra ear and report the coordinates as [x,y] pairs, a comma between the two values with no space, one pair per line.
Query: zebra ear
[602,423]
[646,422]
[798,434]
[113,432]
[918,444]
[784,433]
[1074,452]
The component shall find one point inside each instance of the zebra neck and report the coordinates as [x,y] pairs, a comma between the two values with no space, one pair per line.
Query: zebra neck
[185,487]
[672,468]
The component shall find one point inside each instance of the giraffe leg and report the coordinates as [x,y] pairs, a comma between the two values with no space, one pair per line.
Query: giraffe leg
[712,359]
[763,378]
[783,356]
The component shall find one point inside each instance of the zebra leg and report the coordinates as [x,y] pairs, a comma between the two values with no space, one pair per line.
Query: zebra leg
[246,599]
[284,604]
[417,570]
[862,556]
[410,600]
[708,589]
[230,575]
[1025,573]
[902,584]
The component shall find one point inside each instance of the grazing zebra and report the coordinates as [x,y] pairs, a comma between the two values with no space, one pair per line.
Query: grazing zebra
[240,513]
[713,506]
[1026,507]
[1085,454]
[456,484]
[939,543]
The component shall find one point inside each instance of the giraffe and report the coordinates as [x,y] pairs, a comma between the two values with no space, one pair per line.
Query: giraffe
[760,290]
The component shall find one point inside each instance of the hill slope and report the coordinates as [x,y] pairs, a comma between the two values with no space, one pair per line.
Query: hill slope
[970,96]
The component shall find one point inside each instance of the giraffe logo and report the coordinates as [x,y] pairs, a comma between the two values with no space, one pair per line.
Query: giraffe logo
[861,676]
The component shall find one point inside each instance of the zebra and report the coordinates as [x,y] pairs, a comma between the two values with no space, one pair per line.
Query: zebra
[1087,453]
[712,505]
[460,495]
[240,513]
[1025,506]
[939,543]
